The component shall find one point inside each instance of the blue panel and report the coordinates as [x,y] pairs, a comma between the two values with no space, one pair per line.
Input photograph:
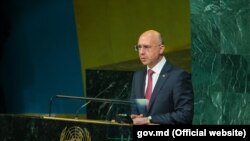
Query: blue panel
[41,56]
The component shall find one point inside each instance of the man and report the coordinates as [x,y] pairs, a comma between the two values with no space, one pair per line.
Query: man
[168,90]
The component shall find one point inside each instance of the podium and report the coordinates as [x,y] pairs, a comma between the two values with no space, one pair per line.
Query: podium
[45,128]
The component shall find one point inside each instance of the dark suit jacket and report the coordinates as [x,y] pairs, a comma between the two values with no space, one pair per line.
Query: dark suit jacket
[172,98]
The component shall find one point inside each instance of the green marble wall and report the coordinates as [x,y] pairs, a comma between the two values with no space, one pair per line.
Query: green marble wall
[220,61]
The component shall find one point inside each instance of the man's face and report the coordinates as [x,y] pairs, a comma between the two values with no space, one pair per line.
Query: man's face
[149,50]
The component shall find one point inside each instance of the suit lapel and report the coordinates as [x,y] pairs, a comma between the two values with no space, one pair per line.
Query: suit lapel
[161,79]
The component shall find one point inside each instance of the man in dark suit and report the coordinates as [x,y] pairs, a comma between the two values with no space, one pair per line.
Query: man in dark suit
[167,90]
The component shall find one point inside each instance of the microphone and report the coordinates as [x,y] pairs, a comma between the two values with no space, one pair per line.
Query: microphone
[100,93]
[119,95]
[122,92]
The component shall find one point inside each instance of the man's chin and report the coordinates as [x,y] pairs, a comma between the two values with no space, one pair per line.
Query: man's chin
[144,63]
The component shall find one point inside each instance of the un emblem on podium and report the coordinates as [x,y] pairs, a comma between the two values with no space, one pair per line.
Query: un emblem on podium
[75,133]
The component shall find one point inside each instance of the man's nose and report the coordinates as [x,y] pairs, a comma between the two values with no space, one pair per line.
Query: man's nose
[142,50]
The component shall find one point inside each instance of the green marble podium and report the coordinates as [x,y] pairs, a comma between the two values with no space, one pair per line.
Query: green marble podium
[40,128]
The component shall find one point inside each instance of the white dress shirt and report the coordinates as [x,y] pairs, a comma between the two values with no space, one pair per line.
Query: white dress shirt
[157,70]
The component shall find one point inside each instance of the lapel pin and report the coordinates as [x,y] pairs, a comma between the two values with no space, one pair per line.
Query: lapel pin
[164,75]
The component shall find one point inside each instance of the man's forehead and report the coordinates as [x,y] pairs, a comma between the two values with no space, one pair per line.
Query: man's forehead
[147,39]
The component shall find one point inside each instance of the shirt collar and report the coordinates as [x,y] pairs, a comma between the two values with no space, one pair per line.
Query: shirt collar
[158,67]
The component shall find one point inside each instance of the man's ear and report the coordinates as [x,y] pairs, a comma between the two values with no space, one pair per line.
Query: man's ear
[162,49]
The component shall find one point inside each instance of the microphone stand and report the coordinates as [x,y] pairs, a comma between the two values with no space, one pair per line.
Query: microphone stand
[67,97]
[100,93]
[112,104]
[89,98]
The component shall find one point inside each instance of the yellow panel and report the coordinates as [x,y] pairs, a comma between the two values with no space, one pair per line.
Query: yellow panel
[108,29]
